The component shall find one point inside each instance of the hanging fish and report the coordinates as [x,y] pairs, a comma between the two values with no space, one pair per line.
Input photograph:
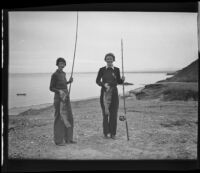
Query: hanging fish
[63,109]
[107,99]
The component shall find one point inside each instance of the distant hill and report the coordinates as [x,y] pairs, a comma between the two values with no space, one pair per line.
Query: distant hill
[182,86]
[187,74]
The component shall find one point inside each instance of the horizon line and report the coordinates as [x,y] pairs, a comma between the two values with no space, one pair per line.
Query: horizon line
[138,71]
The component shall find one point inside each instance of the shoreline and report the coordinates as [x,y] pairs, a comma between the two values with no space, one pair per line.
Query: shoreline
[74,100]
[42,105]
[20,109]
[130,93]
[17,110]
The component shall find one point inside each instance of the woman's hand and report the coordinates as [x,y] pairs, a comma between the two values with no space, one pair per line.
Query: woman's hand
[61,93]
[71,80]
[107,86]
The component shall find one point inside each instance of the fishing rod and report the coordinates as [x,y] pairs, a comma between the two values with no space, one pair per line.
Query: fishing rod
[74,52]
[123,118]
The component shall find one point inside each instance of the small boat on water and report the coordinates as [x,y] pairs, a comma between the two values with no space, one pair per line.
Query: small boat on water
[21,94]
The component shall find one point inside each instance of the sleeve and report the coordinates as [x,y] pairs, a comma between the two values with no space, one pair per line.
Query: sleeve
[53,84]
[98,79]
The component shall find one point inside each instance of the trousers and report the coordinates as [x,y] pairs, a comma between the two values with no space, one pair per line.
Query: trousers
[61,131]
[110,120]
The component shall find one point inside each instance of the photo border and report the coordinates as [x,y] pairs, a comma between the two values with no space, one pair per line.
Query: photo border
[63,165]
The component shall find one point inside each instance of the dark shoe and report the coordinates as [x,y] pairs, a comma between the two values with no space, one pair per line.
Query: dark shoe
[71,142]
[106,136]
[61,144]
[113,137]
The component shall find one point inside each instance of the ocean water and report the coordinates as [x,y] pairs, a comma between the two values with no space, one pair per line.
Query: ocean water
[36,86]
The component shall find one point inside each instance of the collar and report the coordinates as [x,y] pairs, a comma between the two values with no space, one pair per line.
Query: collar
[59,71]
[110,67]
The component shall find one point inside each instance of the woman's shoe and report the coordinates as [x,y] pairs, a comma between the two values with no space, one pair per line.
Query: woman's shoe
[71,142]
[61,144]
[113,137]
[106,136]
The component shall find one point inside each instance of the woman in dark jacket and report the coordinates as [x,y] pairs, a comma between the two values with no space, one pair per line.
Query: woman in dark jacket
[108,77]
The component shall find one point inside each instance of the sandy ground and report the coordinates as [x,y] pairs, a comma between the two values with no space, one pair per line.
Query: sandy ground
[157,130]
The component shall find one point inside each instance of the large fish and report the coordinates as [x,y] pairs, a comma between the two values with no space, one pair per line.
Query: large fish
[107,97]
[107,100]
[63,109]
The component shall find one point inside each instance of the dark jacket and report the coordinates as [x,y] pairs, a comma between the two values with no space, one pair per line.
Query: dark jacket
[100,81]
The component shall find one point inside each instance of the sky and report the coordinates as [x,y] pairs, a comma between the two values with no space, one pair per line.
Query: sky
[152,41]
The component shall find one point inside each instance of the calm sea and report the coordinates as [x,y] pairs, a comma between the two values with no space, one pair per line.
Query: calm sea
[36,86]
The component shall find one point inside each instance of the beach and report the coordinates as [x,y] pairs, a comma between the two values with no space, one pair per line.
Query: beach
[157,130]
